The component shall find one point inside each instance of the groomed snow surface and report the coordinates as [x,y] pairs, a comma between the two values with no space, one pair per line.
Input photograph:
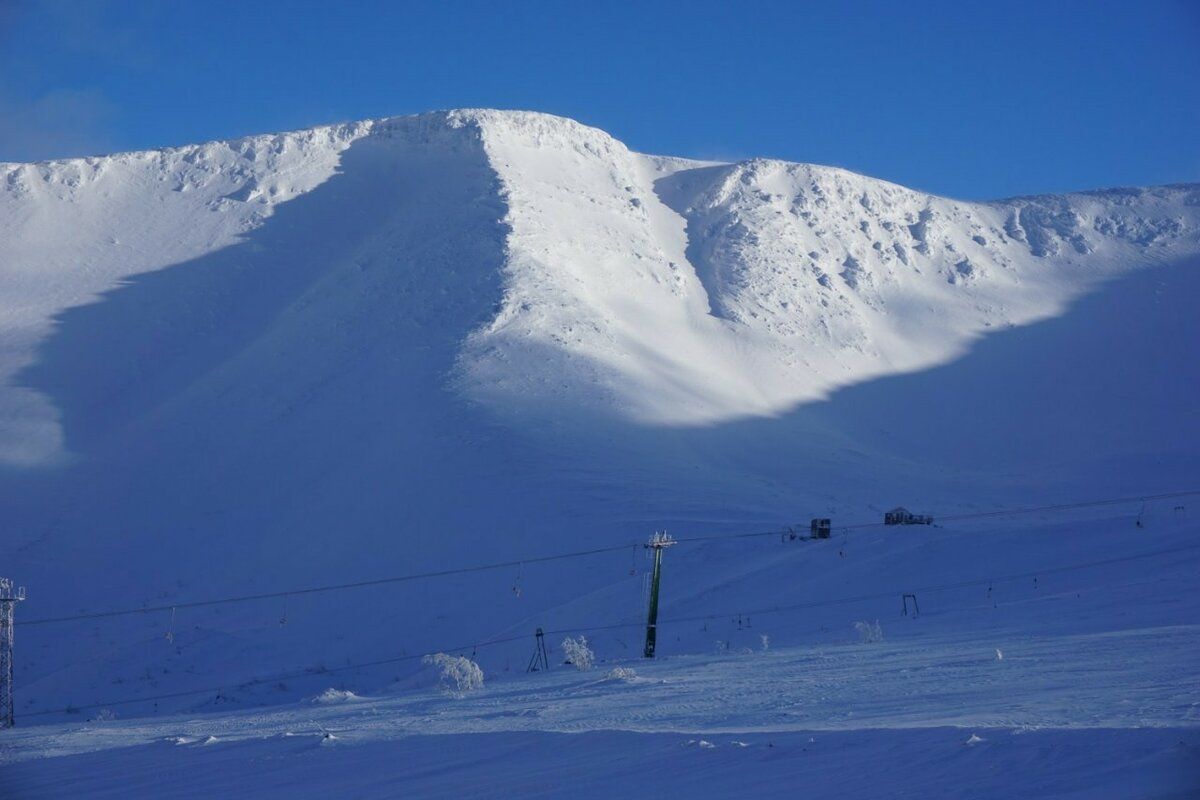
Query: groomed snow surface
[415,344]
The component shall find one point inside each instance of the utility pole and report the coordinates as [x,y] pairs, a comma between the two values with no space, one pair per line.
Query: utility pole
[8,602]
[658,542]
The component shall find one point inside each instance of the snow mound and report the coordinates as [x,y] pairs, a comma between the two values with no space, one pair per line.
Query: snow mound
[333,696]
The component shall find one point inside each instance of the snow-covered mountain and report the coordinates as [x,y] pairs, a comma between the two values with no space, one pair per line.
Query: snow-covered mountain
[382,347]
[658,290]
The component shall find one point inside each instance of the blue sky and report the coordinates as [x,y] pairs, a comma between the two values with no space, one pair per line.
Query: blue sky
[964,99]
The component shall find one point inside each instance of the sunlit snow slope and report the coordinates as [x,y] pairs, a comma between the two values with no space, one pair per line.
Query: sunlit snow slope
[393,346]
[657,290]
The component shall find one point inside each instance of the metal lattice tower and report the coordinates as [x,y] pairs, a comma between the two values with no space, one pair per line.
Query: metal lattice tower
[8,602]
[540,659]
[658,542]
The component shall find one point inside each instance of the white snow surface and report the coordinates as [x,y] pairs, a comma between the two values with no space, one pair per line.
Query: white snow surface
[412,344]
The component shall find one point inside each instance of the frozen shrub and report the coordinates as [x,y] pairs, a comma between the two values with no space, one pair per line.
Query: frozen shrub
[459,673]
[333,696]
[578,652]
[869,631]
[625,674]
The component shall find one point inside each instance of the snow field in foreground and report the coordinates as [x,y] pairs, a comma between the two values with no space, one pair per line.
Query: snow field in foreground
[882,719]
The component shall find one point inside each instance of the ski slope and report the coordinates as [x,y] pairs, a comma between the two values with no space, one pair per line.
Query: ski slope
[421,343]
[836,719]
[1074,682]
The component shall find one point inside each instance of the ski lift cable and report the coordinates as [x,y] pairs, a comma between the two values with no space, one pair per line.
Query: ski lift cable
[1003,512]
[560,556]
[942,587]
[314,671]
[328,588]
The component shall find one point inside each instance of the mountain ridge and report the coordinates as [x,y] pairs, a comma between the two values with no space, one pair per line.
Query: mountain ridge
[756,285]
[359,127]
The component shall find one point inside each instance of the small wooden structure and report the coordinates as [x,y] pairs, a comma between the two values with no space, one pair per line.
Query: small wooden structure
[820,528]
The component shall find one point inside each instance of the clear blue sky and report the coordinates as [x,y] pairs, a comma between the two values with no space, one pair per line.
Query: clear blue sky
[961,98]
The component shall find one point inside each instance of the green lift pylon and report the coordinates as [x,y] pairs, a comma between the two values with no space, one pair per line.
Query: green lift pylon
[658,542]
[8,603]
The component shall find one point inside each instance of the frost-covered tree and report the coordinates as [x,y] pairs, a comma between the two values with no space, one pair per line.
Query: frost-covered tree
[578,652]
[459,674]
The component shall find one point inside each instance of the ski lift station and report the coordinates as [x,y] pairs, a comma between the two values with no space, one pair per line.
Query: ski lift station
[902,516]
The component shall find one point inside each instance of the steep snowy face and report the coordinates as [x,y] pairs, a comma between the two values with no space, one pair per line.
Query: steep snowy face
[260,285]
[846,278]
[654,290]
[677,293]
[72,230]
[601,310]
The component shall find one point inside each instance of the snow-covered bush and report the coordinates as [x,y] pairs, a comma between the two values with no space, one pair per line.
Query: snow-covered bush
[333,696]
[869,631]
[462,672]
[625,674]
[578,652]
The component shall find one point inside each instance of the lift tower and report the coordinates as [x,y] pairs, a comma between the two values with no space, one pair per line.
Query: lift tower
[658,542]
[8,603]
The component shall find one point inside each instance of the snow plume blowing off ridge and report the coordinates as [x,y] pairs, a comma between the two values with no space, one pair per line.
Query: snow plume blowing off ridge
[657,290]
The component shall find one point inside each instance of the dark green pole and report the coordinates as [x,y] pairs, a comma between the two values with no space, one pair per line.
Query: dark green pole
[658,542]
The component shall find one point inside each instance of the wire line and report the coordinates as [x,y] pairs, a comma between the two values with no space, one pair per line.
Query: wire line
[557,557]
[321,670]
